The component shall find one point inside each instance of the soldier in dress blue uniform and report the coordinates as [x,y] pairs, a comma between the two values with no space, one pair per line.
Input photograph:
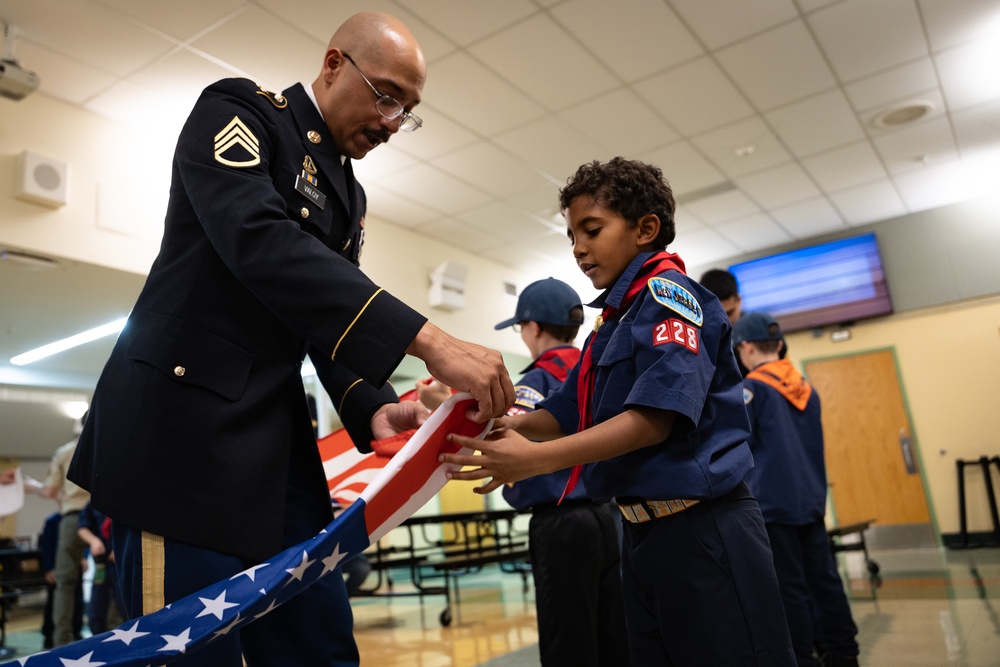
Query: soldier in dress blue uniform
[575,560]
[655,410]
[199,445]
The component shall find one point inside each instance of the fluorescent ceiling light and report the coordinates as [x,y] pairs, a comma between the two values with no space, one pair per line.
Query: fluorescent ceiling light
[68,343]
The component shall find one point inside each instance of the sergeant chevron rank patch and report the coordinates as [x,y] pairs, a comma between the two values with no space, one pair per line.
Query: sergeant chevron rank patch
[236,145]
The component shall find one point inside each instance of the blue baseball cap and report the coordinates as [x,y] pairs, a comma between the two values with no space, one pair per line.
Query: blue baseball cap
[756,327]
[548,301]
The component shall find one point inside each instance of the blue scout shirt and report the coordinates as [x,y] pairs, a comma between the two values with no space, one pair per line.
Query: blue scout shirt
[789,476]
[537,383]
[672,350]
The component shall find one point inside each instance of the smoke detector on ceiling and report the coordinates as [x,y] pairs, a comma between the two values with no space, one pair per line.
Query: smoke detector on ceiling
[902,114]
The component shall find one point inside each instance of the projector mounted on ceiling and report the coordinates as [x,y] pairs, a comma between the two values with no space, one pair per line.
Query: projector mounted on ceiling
[16,82]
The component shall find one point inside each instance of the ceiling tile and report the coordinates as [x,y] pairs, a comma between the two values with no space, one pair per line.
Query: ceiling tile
[543,202]
[721,146]
[386,205]
[467,90]
[620,122]
[933,186]
[684,168]
[719,208]
[470,20]
[181,19]
[179,78]
[686,221]
[952,22]
[969,73]
[319,18]
[917,146]
[63,77]
[438,190]
[695,97]
[977,128]
[868,203]
[553,146]
[703,247]
[781,185]
[900,83]
[438,135]
[845,167]
[506,222]
[809,218]
[778,66]
[490,168]
[796,124]
[89,33]
[754,232]
[265,48]
[383,162]
[854,33]
[721,22]
[541,59]
[456,233]
[656,39]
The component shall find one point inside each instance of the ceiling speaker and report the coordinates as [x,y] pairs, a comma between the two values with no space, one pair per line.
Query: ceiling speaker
[41,180]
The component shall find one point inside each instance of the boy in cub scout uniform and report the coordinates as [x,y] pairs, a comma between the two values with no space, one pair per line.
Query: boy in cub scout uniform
[575,560]
[199,444]
[789,481]
[655,411]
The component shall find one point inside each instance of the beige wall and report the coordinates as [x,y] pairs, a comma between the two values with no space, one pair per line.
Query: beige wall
[949,365]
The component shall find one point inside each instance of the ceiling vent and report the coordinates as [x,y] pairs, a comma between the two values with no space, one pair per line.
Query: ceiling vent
[903,114]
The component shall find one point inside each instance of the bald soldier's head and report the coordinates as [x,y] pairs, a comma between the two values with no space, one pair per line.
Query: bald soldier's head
[385,52]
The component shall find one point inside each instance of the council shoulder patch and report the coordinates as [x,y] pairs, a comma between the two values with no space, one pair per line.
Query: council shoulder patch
[526,397]
[236,145]
[676,298]
[747,396]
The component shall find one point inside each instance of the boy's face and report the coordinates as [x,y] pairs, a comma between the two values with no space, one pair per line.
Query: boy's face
[604,243]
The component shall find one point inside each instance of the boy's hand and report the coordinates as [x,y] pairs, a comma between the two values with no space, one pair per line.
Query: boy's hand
[504,457]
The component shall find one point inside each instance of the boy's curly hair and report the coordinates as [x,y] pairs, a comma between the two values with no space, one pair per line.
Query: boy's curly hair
[629,188]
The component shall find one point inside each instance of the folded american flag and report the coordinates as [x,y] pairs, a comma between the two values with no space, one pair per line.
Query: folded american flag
[406,483]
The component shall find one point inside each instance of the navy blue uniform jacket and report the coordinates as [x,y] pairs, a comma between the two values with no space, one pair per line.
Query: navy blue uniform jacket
[199,422]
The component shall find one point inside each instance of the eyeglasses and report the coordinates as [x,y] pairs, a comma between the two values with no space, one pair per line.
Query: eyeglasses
[389,107]
[517,326]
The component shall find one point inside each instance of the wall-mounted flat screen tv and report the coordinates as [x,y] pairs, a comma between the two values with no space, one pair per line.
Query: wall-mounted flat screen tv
[829,283]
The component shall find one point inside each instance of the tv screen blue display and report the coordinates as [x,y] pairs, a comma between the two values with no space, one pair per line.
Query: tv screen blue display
[830,283]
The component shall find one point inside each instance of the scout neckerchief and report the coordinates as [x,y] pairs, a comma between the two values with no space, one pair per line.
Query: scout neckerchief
[783,377]
[655,265]
[558,361]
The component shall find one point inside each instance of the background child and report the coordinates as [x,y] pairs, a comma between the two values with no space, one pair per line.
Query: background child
[789,481]
[575,559]
[655,409]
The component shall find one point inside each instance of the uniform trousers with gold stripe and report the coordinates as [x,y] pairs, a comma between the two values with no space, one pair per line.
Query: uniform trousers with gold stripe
[314,628]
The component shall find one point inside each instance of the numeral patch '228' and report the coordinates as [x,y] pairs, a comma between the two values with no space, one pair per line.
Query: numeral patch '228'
[676,331]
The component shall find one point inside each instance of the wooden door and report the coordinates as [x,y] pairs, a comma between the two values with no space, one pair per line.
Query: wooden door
[871,459]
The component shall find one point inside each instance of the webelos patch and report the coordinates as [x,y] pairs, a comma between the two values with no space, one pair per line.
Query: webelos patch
[676,298]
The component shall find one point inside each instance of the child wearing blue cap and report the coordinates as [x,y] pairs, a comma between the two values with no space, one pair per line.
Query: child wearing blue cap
[789,482]
[655,411]
[575,559]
